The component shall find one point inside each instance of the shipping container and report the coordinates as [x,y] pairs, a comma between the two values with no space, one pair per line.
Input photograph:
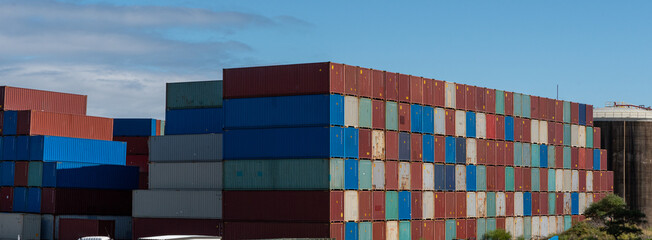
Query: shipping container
[427,205]
[534,107]
[449,89]
[351,112]
[391,86]
[534,131]
[491,204]
[13,98]
[123,224]
[470,99]
[72,229]
[62,201]
[67,175]
[404,117]
[416,89]
[51,148]
[480,104]
[500,127]
[500,102]
[404,205]
[460,123]
[518,204]
[404,146]
[491,126]
[208,175]
[351,208]
[460,96]
[450,122]
[404,88]
[440,121]
[428,92]
[416,118]
[471,151]
[481,204]
[509,204]
[194,121]
[526,106]
[480,125]
[134,127]
[67,125]
[364,143]
[416,206]
[596,137]
[440,93]
[428,123]
[258,230]
[481,178]
[490,100]
[559,111]
[416,177]
[26,226]
[198,204]
[197,148]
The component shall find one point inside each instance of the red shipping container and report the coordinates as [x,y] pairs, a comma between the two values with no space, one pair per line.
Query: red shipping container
[461,204]
[391,145]
[416,147]
[350,80]
[258,230]
[575,113]
[500,223]
[543,203]
[559,111]
[500,153]
[479,99]
[416,227]
[428,92]
[403,88]
[391,86]
[276,206]
[460,229]
[536,208]
[597,175]
[559,156]
[575,219]
[604,181]
[603,159]
[581,158]
[559,203]
[491,152]
[417,206]
[551,109]
[551,133]
[440,230]
[491,126]
[518,129]
[158,128]
[416,180]
[559,133]
[147,227]
[574,158]
[526,130]
[364,143]
[534,107]
[391,175]
[337,231]
[500,178]
[491,178]
[140,161]
[509,153]
[490,100]
[404,117]
[518,179]
[378,212]
[582,184]
[500,127]
[543,179]
[589,159]
[365,204]
[596,137]
[509,103]
[509,203]
[470,98]
[143,180]
[543,108]
[589,115]
[460,96]
[20,174]
[440,205]
[610,181]
[471,226]
[6,199]
[451,205]
[365,88]
[416,89]
[13,98]
[450,122]
[64,125]
[135,145]
[481,146]
[428,230]
[378,229]
[72,201]
[378,84]
[73,229]
[378,114]
[440,149]
[527,179]
[440,93]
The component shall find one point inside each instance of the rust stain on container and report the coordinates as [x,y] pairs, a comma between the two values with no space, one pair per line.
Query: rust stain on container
[416,89]
[391,86]
[378,144]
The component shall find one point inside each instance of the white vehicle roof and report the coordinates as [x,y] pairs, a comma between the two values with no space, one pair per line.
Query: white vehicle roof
[181,237]
[95,238]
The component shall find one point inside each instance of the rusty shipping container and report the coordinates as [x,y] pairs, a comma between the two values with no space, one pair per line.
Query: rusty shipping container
[13,98]
[64,125]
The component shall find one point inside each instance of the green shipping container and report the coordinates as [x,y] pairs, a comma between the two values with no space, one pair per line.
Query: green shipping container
[535,179]
[527,152]
[364,175]
[491,205]
[481,178]
[551,203]
[567,157]
[535,155]
[551,157]
[404,230]
[283,174]
[481,227]
[567,112]
[35,174]
[365,231]
[186,95]
[391,116]
[567,222]
[589,137]
[551,180]
[518,153]
[526,106]
[491,224]
[391,205]
[527,227]
[567,134]
[509,179]
[364,110]
[517,105]
[500,102]
[450,229]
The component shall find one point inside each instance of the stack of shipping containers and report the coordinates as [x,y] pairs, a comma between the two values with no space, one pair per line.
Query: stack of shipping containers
[331,150]
[58,161]
[136,133]
[185,166]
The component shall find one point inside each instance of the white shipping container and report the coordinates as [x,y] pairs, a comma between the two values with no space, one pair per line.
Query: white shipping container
[574,137]
[518,227]
[428,204]
[568,184]
[543,132]
[589,199]
[351,206]
[404,176]
[186,148]
[575,181]
[509,225]
[481,204]
[470,204]
[27,226]
[460,123]
[378,144]
[581,136]
[552,225]
[428,176]
[536,232]
[559,180]
[501,208]
[560,224]
[589,181]
[449,95]
[534,131]
[391,230]
[567,203]
[202,204]
[378,175]
[471,151]
[460,177]
[351,105]
[543,225]
[480,125]
[518,204]
[194,175]
[122,224]
[440,121]
[582,202]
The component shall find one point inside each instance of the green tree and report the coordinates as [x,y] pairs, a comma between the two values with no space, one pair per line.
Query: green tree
[584,230]
[498,234]
[612,216]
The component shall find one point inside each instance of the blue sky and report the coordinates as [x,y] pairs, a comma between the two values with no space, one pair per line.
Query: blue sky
[121,53]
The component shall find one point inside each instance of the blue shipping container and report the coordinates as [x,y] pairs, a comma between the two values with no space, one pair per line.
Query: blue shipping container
[33,200]
[350,174]
[351,142]
[596,159]
[20,200]
[470,124]
[9,123]
[440,180]
[95,176]
[194,121]
[336,141]
[63,149]
[428,148]
[351,229]
[404,205]
[428,125]
[9,148]
[416,118]
[284,111]
[309,142]
[575,203]
[509,128]
[7,170]
[470,178]
[22,148]
[404,146]
[450,177]
[450,150]
[543,156]
[527,203]
[134,127]
[460,150]
[582,114]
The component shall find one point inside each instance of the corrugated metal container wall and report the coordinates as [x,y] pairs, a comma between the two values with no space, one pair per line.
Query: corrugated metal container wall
[391,86]
[365,87]
[136,127]
[470,98]
[71,229]
[289,111]
[177,204]
[500,102]
[59,149]
[64,125]
[123,224]
[194,121]
[460,96]
[416,89]
[479,99]
[450,95]
[378,82]
[186,95]
[201,175]
[13,98]
[403,88]
[181,148]
[135,145]
[145,227]
[27,226]
[440,96]
[490,100]
[62,201]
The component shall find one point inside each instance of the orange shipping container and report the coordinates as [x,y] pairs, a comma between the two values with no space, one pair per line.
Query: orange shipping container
[13,98]
[64,125]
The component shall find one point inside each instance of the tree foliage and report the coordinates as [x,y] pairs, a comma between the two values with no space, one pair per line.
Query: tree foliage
[611,215]
[498,234]
[584,230]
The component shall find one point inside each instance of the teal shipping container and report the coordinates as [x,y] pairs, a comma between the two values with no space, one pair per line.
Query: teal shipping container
[567,157]
[567,222]
[509,179]
[365,231]
[481,227]
[552,159]
[536,162]
[364,174]
[364,113]
[535,179]
[525,108]
[391,116]
[481,178]
[450,229]
[391,205]
[187,95]
[567,112]
[491,205]
[551,203]
[404,230]
[35,174]
[518,154]
[551,180]
[527,155]
[518,105]
[589,137]
[500,102]
[284,174]
[491,224]
[567,134]
[527,227]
